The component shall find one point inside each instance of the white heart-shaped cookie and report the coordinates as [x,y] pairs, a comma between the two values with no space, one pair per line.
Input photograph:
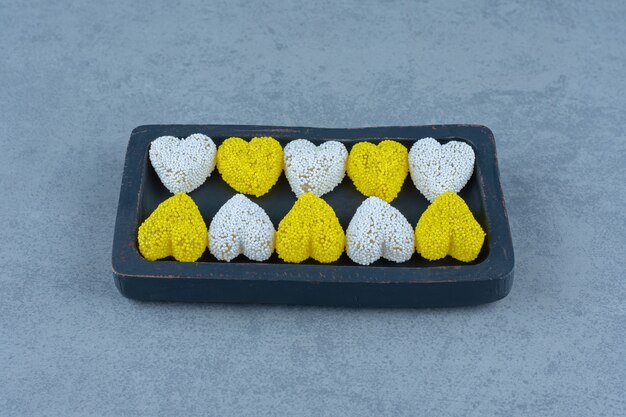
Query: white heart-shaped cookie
[241,226]
[183,164]
[379,230]
[436,168]
[314,169]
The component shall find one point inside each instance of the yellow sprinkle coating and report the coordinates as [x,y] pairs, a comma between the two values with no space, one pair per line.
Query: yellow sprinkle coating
[448,227]
[378,170]
[175,228]
[250,167]
[310,229]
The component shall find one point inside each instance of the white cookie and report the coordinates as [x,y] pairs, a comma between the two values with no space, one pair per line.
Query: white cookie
[314,169]
[436,168]
[241,226]
[377,230]
[183,164]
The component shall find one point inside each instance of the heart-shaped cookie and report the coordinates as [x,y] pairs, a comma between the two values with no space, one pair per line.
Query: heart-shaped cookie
[378,170]
[448,227]
[241,226]
[314,169]
[175,228]
[183,164]
[436,168]
[310,229]
[250,167]
[377,230]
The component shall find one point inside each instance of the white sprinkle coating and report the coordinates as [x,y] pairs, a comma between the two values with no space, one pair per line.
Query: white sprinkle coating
[314,169]
[183,164]
[436,168]
[241,226]
[379,230]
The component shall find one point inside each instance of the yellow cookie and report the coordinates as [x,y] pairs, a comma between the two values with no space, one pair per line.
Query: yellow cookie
[310,229]
[448,227]
[175,228]
[378,170]
[250,167]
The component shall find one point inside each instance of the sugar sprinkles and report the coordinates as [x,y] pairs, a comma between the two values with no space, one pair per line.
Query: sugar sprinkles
[241,227]
[183,164]
[379,230]
[436,168]
[315,169]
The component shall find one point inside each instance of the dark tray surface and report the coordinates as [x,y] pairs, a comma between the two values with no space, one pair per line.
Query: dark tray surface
[142,191]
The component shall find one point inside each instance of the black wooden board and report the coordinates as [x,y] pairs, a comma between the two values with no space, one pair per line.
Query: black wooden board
[415,283]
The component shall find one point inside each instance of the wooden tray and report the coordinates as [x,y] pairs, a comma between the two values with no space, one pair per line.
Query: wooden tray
[415,283]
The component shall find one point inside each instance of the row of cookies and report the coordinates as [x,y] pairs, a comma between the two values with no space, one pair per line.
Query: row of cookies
[310,230]
[254,167]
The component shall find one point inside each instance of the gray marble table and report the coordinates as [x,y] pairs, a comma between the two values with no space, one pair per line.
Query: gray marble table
[547,77]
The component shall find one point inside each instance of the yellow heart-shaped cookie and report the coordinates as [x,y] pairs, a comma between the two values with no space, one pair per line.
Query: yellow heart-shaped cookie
[378,170]
[175,228]
[250,167]
[310,229]
[448,227]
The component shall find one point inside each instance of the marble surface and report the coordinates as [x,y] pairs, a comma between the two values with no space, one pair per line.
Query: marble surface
[546,77]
